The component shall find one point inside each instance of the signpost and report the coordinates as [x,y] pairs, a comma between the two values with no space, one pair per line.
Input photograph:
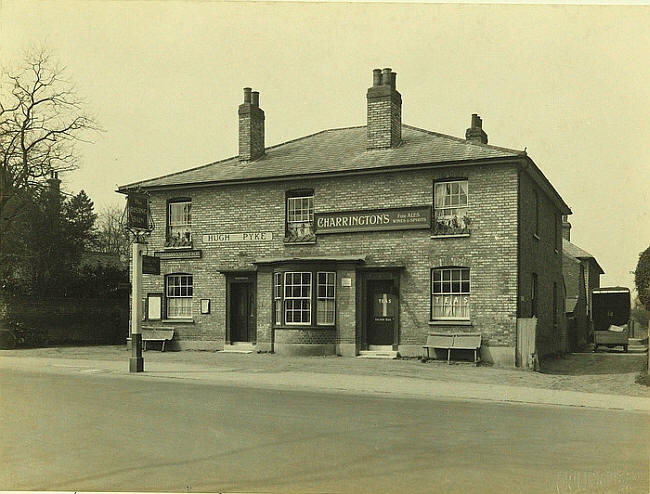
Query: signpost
[137,222]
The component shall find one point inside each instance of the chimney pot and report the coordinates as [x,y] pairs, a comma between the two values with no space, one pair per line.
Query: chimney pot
[386,77]
[255,100]
[393,78]
[376,77]
[247,95]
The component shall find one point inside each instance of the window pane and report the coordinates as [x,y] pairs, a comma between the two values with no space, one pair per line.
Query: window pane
[297,297]
[450,297]
[179,292]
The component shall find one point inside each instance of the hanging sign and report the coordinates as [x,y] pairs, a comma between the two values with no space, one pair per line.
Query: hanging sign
[137,211]
[374,220]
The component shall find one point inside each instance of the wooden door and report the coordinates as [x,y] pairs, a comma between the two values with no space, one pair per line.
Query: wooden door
[381,308]
[239,310]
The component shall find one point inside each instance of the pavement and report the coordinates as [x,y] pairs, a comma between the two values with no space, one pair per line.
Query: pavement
[564,382]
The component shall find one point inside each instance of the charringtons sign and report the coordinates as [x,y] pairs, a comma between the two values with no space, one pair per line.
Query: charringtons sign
[411,218]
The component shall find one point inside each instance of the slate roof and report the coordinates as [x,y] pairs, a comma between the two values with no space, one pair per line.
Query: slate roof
[331,151]
[577,253]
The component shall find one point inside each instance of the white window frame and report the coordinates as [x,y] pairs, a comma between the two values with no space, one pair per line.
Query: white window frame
[174,292]
[277,297]
[443,200]
[326,300]
[289,299]
[180,226]
[300,219]
[454,297]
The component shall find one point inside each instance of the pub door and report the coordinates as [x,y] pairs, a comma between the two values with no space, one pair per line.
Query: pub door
[382,309]
[240,312]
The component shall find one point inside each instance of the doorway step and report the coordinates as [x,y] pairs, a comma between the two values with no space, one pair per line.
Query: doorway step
[239,347]
[638,345]
[382,354]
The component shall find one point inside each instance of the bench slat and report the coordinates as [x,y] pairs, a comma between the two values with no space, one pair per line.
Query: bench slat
[439,341]
[454,341]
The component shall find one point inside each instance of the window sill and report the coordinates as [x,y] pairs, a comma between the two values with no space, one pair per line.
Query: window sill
[307,326]
[310,242]
[179,247]
[535,236]
[178,321]
[450,322]
[453,235]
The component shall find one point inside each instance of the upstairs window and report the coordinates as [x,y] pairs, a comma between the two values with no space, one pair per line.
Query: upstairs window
[450,293]
[450,201]
[179,291]
[300,217]
[179,223]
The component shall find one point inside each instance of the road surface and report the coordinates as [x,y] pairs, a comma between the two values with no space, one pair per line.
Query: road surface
[85,430]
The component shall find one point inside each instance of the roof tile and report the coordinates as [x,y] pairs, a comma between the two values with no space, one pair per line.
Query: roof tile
[334,150]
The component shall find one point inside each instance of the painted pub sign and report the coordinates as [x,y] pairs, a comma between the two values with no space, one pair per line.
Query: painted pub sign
[137,211]
[411,218]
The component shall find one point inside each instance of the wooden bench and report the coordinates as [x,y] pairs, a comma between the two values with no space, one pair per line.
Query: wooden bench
[457,341]
[152,334]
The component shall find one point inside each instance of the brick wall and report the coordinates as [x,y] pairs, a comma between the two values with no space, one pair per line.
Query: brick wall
[541,254]
[490,251]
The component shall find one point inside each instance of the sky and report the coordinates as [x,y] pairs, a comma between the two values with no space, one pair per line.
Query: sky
[571,84]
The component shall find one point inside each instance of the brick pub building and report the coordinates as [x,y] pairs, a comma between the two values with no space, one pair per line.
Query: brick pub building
[356,239]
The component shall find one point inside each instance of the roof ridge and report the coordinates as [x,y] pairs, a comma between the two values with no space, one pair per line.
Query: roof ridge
[463,141]
[314,134]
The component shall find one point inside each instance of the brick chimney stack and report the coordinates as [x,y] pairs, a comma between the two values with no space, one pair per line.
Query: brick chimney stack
[53,196]
[475,133]
[54,183]
[384,111]
[251,127]
[566,228]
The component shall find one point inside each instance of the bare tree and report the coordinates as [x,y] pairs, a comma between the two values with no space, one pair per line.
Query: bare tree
[111,235]
[41,119]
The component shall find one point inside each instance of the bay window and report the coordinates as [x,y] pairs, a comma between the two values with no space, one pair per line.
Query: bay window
[325,303]
[304,297]
[297,298]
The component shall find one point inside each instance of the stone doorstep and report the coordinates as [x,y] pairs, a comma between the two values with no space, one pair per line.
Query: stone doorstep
[238,347]
[378,354]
